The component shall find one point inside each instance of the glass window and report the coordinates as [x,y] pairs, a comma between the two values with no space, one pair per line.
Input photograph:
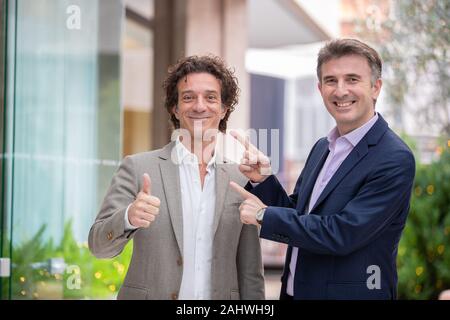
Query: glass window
[137,75]
[62,145]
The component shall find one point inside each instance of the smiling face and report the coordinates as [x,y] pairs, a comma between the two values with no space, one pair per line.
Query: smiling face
[199,102]
[348,92]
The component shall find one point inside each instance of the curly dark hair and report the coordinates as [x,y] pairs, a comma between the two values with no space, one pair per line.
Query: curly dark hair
[196,64]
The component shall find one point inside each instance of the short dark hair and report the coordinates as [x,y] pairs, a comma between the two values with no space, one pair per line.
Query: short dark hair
[196,64]
[343,47]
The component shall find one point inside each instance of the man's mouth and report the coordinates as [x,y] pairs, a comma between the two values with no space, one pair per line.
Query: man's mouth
[344,104]
[199,118]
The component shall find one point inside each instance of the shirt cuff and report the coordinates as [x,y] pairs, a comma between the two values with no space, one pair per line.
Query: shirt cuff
[128,225]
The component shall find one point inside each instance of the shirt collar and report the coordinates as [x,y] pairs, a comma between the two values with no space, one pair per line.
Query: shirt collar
[187,157]
[355,136]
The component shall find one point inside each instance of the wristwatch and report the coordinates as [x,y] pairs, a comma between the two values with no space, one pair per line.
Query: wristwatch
[260,215]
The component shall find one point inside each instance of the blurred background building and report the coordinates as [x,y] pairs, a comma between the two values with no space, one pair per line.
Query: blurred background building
[81,88]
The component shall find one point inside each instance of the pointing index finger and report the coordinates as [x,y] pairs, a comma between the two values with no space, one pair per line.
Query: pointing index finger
[244,193]
[245,141]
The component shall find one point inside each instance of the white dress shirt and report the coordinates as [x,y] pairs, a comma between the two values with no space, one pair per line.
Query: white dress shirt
[198,207]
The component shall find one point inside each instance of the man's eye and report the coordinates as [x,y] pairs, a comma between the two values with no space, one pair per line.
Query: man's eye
[187,98]
[330,81]
[353,80]
[213,98]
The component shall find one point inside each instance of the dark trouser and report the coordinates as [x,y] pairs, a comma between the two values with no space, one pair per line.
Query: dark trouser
[285,296]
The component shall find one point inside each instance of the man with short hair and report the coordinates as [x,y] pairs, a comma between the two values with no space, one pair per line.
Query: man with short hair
[344,220]
[189,242]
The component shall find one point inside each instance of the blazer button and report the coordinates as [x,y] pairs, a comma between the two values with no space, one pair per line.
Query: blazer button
[180,261]
[110,235]
[174,296]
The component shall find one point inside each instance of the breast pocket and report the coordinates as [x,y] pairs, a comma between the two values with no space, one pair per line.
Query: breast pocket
[234,295]
[230,218]
[132,293]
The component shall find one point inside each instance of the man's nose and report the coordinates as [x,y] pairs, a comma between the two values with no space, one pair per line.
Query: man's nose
[200,104]
[341,89]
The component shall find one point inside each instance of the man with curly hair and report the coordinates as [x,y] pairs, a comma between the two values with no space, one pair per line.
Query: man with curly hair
[189,242]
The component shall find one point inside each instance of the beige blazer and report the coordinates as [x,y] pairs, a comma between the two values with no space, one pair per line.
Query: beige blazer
[156,266]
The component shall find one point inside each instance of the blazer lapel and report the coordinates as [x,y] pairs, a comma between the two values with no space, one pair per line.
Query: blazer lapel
[361,149]
[222,181]
[171,182]
[352,159]
[306,193]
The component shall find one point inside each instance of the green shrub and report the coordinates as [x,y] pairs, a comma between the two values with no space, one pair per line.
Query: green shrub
[424,250]
[31,278]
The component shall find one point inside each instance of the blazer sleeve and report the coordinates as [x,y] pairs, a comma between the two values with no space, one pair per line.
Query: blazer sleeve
[378,202]
[107,236]
[249,265]
[272,193]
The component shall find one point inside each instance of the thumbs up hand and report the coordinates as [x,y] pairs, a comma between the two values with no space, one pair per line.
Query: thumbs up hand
[145,208]
[250,206]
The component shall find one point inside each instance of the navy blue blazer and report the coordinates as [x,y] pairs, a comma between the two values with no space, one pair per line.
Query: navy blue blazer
[354,227]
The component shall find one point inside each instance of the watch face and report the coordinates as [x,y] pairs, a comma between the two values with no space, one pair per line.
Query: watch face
[260,215]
